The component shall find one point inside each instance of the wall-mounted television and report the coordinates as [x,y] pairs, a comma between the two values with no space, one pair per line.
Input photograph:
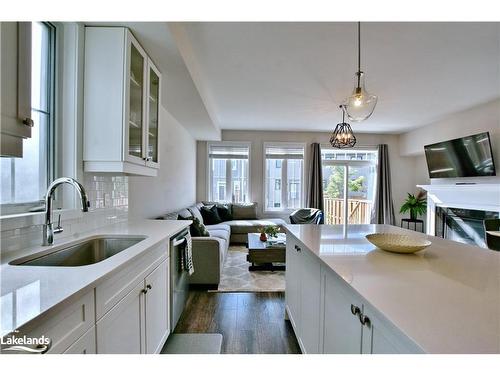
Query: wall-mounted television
[469,156]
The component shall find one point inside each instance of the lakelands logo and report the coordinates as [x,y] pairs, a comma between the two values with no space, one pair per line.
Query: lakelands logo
[25,343]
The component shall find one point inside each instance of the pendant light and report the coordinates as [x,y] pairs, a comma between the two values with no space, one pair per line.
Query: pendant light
[343,136]
[360,105]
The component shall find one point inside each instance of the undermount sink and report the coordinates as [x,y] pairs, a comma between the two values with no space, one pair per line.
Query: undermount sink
[91,251]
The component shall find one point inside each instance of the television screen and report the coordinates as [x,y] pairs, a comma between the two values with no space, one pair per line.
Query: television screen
[462,157]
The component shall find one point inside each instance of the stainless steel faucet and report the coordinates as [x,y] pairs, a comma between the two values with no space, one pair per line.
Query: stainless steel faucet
[48,227]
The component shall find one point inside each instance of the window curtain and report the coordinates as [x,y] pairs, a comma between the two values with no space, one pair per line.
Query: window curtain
[383,207]
[314,197]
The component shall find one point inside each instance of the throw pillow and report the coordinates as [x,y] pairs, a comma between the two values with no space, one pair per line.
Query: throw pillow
[210,215]
[244,211]
[224,211]
[184,214]
[197,229]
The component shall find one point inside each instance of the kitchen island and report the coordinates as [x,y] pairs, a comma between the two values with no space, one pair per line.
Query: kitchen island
[343,295]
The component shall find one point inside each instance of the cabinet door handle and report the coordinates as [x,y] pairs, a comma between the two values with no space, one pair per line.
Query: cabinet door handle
[149,286]
[144,291]
[28,122]
[364,320]
[355,310]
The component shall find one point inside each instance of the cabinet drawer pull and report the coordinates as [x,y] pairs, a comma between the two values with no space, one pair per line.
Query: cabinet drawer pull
[364,320]
[28,122]
[355,310]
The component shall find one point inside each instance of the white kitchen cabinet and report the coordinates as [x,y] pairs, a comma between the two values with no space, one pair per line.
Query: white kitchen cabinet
[153,116]
[303,295]
[85,344]
[64,324]
[139,323]
[328,316]
[381,337]
[342,329]
[121,330]
[121,104]
[310,299]
[292,293]
[351,326]
[157,312]
[15,91]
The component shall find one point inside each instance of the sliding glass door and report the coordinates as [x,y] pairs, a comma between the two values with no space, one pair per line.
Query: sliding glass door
[348,185]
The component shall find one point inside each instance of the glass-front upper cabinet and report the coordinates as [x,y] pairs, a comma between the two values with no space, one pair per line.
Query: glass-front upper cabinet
[122,96]
[153,115]
[138,61]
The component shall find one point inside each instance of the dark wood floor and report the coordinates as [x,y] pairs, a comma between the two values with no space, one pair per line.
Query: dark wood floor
[250,323]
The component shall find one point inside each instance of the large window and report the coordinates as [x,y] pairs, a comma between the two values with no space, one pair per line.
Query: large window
[228,172]
[25,180]
[348,185]
[283,183]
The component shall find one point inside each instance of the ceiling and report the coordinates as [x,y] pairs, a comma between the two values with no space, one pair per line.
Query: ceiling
[293,76]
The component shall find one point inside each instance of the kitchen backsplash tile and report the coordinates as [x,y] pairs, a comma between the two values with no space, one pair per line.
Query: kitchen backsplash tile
[108,197]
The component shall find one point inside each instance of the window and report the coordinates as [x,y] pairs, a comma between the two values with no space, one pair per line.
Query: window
[25,180]
[283,176]
[348,185]
[228,172]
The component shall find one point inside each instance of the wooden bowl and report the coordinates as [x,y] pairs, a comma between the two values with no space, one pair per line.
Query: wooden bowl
[398,243]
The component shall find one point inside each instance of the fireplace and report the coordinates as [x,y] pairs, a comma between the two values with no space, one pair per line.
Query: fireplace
[462,225]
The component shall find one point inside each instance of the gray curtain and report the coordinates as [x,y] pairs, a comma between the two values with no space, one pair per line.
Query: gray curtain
[383,207]
[315,179]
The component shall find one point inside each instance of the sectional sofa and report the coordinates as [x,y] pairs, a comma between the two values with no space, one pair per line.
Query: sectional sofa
[210,252]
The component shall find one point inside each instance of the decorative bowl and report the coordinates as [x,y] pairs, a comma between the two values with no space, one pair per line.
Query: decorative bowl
[398,243]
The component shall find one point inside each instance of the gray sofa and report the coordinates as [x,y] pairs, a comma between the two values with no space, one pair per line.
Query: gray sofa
[210,252]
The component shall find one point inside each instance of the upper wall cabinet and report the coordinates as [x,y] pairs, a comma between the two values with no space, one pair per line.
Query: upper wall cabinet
[15,91]
[121,104]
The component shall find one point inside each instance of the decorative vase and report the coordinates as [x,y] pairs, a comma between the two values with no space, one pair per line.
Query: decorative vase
[263,237]
[413,215]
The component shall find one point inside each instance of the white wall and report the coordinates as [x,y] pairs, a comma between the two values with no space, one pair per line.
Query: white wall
[175,185]
[401,167]
[482,118]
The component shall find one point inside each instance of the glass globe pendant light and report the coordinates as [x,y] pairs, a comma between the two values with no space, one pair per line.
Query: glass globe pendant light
[343,136]
[360,105]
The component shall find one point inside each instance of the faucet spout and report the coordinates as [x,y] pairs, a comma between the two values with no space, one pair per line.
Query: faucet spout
[48,230]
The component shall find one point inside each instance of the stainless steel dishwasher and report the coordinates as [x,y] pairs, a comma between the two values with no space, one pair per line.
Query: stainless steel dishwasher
[179,279]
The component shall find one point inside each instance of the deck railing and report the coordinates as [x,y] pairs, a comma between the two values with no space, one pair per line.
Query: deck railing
[358,211]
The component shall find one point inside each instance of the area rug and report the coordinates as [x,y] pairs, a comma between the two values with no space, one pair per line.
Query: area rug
[236,277]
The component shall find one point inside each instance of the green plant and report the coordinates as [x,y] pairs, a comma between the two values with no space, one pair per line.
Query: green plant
[415,204]
[270,230]
[335,186]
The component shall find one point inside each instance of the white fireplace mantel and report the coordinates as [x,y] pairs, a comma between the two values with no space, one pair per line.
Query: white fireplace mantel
[484,197]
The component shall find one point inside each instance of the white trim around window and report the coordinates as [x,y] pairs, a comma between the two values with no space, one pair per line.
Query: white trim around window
[283,151]
[230,151]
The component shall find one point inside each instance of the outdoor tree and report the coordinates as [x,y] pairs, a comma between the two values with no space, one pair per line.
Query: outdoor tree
[335,186]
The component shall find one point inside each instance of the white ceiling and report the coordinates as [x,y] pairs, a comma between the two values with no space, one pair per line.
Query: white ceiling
[293,76]
[179,94]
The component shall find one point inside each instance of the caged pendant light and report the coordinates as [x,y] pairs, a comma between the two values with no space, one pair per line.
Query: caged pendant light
[360,105]
[343,136]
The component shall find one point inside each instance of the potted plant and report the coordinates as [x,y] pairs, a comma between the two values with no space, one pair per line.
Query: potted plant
[415,204]
[269,231]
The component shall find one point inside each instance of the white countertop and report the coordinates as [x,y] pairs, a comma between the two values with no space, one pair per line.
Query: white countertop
[445,298]
[28,291]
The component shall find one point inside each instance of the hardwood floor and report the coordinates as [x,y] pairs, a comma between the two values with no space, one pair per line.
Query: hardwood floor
[250,323]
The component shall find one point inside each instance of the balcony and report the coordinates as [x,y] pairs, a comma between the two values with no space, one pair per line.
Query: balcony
[358,211]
